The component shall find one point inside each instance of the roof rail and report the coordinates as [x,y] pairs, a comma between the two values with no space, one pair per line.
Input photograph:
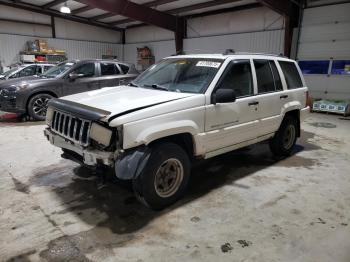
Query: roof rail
[228,52]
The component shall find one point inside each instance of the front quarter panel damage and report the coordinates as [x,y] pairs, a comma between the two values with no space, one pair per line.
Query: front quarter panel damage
[131,163]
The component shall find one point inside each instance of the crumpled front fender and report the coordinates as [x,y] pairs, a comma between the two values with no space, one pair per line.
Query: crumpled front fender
[131,163]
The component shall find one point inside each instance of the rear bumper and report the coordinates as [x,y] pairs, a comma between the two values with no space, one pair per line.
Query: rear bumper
[304,113]
[89,157]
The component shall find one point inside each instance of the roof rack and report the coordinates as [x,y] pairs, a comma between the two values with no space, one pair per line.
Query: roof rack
[232,52]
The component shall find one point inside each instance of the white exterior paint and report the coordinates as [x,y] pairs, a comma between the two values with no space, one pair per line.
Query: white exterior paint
[215,129]
[325,34]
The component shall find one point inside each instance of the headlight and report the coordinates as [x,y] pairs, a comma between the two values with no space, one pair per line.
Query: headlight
[100,134]
[49,116]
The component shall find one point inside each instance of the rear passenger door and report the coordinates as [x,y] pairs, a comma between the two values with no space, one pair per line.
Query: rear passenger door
[270,97]
[110,74]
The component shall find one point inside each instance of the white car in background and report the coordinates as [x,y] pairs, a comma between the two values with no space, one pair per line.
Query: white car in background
[25,70]
[184,108]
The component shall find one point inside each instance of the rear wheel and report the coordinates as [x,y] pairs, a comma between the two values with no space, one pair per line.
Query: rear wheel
[165,177]
[37,106]
[284,140]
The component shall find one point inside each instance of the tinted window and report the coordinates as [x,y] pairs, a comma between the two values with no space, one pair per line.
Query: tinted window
[38,70]
[109,69]
[314,67]
[47,68]
[291,74]
[264,76]
[28,71]
[238,77]
[88,70]
[124,68]
[276,76]
[341,67]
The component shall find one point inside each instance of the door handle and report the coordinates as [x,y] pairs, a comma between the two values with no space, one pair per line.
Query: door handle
[284,96]
[253,103]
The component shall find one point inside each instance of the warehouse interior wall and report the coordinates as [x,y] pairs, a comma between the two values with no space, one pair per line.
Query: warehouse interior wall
[254,30]
[325,36]
[80,41]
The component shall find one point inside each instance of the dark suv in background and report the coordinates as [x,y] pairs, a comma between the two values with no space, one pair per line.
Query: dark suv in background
[31,94]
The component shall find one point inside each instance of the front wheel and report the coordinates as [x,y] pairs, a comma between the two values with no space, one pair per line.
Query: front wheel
[37,106]
[164,178]
[284,140]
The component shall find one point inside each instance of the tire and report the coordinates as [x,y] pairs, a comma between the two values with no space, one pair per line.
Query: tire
[37,106]
[151,188]
[283,142]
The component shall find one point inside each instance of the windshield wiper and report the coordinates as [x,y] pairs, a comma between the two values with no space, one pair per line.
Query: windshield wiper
[155,86]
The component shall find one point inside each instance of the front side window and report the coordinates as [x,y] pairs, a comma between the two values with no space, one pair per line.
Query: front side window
[27,71]
[291,74]
[87,70]
[264,76]
[188,75]
[58,70]
[38,70]
[108,69]
[238,77]
[124,68]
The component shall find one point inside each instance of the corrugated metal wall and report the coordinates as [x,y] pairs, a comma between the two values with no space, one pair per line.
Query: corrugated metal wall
[11,45]
[325,35]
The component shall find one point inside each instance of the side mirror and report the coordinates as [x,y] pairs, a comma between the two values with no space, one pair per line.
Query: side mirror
[73,76]
[224,96]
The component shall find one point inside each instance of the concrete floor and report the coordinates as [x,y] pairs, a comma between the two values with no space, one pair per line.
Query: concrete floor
[243,206]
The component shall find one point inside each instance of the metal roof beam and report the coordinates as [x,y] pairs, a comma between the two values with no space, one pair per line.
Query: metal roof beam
[49,12]
[136,12]
[53,3]
[81,10]
[184,9]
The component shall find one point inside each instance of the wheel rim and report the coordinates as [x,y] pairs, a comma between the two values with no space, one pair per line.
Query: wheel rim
[289,136]
[168,178]
[40,106]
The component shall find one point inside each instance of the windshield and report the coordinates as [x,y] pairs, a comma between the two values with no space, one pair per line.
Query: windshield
[57,70]
[189,75]
[9,72]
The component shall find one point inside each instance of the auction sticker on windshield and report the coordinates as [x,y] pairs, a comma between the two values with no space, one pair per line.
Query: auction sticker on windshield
[208,64]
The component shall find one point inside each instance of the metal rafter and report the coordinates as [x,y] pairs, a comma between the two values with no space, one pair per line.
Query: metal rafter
[184,9]
[50,12]
[148,4]
[136,12]
[53,3]
[81,10]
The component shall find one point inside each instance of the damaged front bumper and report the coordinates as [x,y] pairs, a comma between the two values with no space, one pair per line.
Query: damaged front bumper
[127,165]
[89,157]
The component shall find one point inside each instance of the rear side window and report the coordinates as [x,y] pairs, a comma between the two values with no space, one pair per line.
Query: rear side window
[291,74]
[124,68]
[264,76]
[276,76]
[108,69]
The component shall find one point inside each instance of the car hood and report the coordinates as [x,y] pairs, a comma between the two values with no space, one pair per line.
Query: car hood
[30,80]
[124,99]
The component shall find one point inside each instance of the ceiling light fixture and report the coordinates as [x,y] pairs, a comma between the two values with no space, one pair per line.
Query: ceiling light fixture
[65,9]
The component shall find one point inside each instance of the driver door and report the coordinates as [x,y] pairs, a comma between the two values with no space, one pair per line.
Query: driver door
[88,80]
[228,124]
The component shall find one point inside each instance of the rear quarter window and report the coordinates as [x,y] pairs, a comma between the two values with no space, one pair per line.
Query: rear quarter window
[291,74]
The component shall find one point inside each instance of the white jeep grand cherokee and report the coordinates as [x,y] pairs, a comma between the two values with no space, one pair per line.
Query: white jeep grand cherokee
[182,108]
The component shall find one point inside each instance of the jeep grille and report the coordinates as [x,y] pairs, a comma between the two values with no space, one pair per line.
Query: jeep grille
[71,127]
